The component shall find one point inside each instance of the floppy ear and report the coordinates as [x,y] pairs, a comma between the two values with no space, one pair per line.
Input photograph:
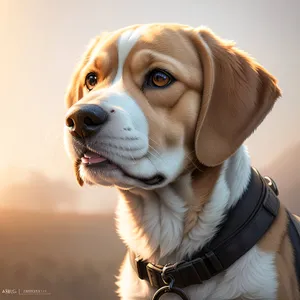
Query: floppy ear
[77,173]
[237,94]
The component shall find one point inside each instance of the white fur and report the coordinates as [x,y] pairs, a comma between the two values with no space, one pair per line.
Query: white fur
[125,44]
[151,224]
[127,113]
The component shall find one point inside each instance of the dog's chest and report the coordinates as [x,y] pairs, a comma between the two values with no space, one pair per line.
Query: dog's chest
[153,226]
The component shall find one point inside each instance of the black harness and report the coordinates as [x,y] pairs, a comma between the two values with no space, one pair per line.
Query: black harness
[243,227]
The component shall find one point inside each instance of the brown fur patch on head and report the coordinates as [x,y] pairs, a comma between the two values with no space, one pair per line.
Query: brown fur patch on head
[171,112]
[100,56]
[237,95]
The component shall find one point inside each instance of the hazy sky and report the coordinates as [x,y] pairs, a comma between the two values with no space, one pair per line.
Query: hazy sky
[41,41]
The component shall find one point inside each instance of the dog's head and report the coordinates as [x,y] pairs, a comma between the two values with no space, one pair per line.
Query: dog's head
[148,103]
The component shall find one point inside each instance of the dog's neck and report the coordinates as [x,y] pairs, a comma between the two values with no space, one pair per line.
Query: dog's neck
[166,224]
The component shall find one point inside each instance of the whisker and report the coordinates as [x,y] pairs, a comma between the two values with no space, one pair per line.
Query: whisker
[79,143]
[134,160]
[158,144]
[154,149]
[157,157]
[191,160]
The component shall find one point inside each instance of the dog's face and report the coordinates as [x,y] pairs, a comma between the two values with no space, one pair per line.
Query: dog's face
[148,103]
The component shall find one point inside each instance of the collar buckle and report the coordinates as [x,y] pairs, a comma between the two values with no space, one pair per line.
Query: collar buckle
[155,275]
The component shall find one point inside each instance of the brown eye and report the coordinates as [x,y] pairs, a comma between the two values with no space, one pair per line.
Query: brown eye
[158,79]
[91,80]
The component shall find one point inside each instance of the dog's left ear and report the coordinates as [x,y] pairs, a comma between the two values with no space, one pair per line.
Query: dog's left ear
[237,94]
[74,91]
[77,173]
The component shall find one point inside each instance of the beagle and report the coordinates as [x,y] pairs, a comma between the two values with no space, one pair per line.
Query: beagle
[160,112]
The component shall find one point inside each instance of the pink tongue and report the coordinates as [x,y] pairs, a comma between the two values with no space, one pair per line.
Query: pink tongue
[92,158]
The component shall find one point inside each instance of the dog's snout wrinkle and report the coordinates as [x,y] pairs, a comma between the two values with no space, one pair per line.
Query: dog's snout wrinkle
[85,119]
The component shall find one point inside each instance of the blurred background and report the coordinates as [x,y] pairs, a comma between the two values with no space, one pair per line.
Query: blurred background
[55,236]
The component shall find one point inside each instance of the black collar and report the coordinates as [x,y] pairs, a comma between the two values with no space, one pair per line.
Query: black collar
[245,224]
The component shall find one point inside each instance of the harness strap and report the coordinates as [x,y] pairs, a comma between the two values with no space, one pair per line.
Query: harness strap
[245,224]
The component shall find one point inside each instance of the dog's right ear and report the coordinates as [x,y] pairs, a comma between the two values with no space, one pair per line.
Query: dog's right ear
[74,91]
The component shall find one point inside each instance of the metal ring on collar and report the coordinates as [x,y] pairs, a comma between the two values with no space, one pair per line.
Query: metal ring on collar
[168,290]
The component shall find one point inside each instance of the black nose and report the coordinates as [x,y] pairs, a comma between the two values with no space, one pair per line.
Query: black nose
[86,119]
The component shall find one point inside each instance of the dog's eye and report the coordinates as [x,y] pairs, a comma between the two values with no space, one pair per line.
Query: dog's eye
[158,79]
[91,80]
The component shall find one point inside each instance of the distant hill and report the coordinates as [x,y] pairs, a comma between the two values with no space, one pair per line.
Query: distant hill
[285,170]
[73,257]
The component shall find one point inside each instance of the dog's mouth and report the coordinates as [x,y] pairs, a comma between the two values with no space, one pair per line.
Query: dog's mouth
[94,160]
[91,158]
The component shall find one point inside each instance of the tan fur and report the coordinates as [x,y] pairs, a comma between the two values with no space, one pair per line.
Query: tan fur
[100,56]
[172,113]
[272,240]
[288,284]
[221,95]
[203,184]
[237,96]
[74,91]
[276,240]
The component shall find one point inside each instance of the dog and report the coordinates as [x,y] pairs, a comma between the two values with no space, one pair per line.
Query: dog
[161,112]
